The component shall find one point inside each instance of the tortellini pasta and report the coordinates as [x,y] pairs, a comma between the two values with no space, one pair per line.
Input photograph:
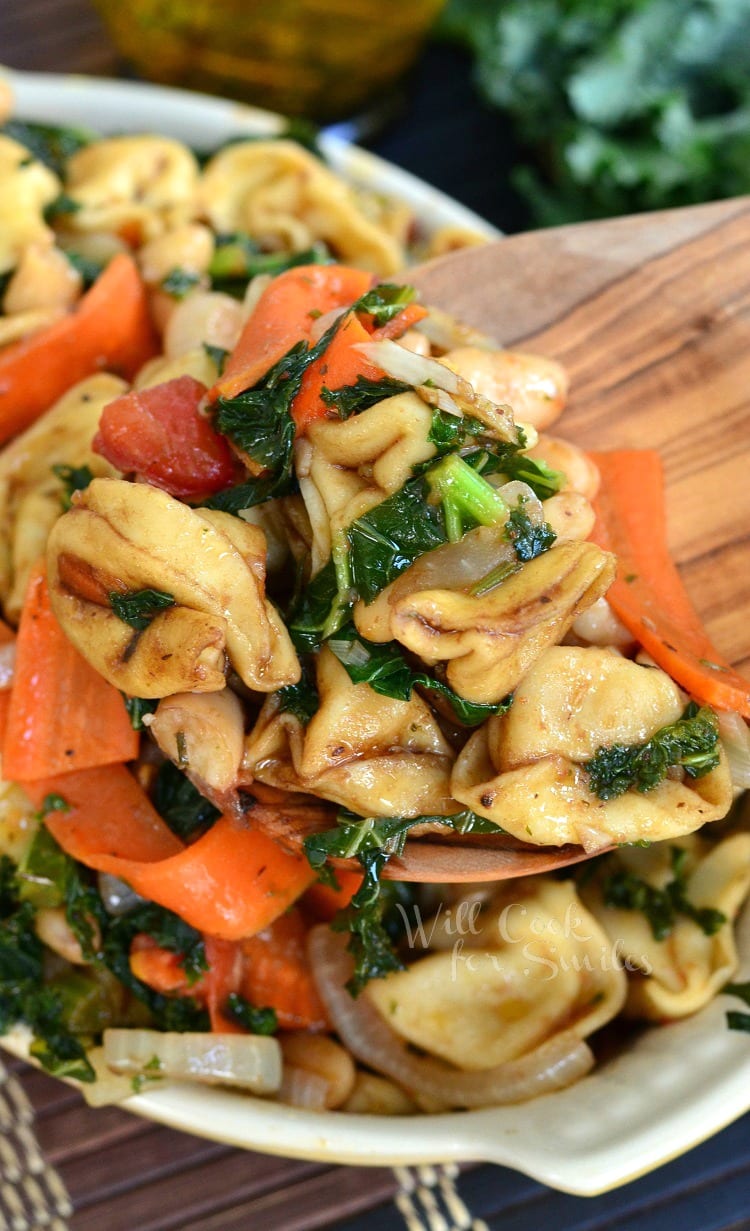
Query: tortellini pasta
[138,187]
[30,493]
[27,187]
[504,981]
[372,754]
[123,538]
[678,975]
[490,641]
[287,198]
[525,769]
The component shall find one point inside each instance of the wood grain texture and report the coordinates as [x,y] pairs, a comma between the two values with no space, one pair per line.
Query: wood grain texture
[651,317]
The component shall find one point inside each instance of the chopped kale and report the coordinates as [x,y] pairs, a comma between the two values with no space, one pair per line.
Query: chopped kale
[73,479]
[735,1019]
[179,282]
[352,399]
[373,841]
[391,536]
[238,258]
[510,461]
[387,672]
[61,206]
[309,617]
[49,143]
[691,742]
[218,356]
[180,803]
[137,708]
[256,1021]
[300,699]
[626,891]
[384,302]
[529,540]
[139,607]
[85,266]
[170,932]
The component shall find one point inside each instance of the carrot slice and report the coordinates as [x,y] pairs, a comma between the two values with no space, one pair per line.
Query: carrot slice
[108,815]
[277,975]
[110,329]
[648,595]
[284,316]
[324,901]
[339,365]
[224,975]
[397,326]
[62,714]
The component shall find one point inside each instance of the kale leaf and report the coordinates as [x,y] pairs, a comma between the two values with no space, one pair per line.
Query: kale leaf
[373,841]
[735,1019]
[73,479]
[179,282]
[625,890]
[387,672]
[384,302]
[352,399]
[256,1021]
[137,708]
[691,742]
[301,699]
[238,258]
[139,607]
[49,143]
[180,803]
[529,540]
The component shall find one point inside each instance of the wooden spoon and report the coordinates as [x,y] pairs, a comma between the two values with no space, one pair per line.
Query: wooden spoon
[650,315]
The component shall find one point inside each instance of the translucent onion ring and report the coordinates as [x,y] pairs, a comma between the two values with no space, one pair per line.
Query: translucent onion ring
[554,1065]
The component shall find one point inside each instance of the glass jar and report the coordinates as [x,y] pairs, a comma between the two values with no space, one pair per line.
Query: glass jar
[324,59]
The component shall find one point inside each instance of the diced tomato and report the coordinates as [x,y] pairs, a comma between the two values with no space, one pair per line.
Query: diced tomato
[162,436]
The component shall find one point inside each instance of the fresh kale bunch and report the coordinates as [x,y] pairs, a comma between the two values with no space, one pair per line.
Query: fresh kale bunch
[626,105]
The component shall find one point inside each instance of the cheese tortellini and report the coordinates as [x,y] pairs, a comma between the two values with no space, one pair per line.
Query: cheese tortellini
[372,754]
[678,975]
[121,538]
[525,769]
[502,982]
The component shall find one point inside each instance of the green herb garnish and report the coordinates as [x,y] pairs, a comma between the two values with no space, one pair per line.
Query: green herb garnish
[691,742]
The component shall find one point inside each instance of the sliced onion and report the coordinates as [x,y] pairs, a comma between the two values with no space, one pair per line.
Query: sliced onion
[445,332]
[412,369]
[554,1065]
[301,1088]
[735,736]
[250,1061]
[321,323]
[7,664]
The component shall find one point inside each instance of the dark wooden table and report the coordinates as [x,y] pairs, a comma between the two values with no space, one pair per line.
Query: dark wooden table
[125,1174]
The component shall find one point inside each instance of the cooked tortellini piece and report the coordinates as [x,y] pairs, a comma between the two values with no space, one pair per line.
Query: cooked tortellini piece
[370,753]
[123,538]
[345,467]
[286,198]
[30,492]
[534,963]
[26,187]
[680,974]
[525,769]
[204,733]
[490,641]
[138,187]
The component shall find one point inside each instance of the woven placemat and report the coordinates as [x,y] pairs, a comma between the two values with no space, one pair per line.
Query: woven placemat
[32,1195]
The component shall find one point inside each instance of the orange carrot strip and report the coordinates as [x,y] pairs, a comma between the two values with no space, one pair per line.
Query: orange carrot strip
[284,316]
[109,814]
[339,365]
[109,329]
[324,901]
[398,325]
[160,969]
[277,975]
[62,714]
[224,975]
[648,595]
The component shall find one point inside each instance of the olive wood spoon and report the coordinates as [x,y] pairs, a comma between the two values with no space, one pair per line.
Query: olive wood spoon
[650,316]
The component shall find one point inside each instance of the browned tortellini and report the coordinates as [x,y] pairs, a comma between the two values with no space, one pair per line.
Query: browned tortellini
[137,186]
[680,974]
[203,733]
[503,981]
[26,187]
[286,198]
[535,386]
[525,769]
[490,641]
[122,538]
[30,492]
[370,753]
[345,467]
